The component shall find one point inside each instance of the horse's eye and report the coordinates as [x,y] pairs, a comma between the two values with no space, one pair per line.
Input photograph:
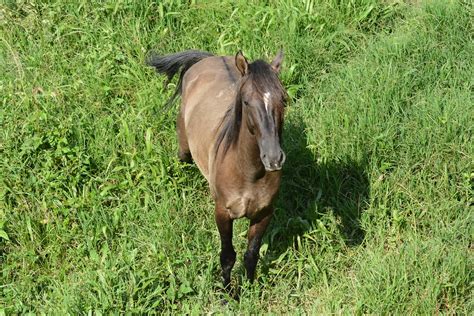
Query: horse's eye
[246,103]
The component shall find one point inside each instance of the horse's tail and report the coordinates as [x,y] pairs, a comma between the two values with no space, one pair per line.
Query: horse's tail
[170,65]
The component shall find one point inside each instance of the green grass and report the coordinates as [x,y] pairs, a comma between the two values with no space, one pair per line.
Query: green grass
[375,212]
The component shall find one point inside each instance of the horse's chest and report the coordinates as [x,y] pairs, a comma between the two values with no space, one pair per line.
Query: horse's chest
[249,202]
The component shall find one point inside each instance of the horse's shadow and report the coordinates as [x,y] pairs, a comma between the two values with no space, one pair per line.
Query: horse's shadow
[309,190]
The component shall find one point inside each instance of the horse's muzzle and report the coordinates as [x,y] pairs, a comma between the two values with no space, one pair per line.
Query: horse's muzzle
[273,162]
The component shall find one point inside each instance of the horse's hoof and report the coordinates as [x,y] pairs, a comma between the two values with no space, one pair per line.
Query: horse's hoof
[224,302]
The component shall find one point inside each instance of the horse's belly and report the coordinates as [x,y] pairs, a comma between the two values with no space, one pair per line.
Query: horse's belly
[202,118]
[201,128]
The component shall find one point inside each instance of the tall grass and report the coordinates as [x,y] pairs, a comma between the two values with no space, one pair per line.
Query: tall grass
[375,210]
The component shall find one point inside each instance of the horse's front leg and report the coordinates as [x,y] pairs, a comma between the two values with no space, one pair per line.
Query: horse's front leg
[256,230]
[224,224]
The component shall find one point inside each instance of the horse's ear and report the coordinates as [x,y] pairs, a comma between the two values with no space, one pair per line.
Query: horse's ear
[241,63]
[277,61]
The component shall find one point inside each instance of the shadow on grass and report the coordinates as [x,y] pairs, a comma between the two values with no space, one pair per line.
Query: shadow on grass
[311,189]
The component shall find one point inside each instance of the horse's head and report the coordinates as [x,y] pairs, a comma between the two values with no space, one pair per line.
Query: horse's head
[263,99]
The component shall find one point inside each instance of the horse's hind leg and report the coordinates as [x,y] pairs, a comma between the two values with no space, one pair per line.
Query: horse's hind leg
[256,230]
[227,256]
[184,154]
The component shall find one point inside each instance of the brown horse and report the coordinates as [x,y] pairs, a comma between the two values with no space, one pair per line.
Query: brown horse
[230,124]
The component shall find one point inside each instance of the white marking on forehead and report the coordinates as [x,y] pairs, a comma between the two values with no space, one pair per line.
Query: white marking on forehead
[266,100]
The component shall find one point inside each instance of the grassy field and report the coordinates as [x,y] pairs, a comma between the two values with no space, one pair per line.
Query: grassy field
[375,213]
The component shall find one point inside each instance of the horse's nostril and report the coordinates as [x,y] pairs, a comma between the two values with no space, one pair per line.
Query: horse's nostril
[282,157]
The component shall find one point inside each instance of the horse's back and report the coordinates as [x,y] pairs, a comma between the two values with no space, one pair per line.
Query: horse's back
[208,90]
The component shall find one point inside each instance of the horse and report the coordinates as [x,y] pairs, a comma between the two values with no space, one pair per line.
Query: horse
[230,124]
